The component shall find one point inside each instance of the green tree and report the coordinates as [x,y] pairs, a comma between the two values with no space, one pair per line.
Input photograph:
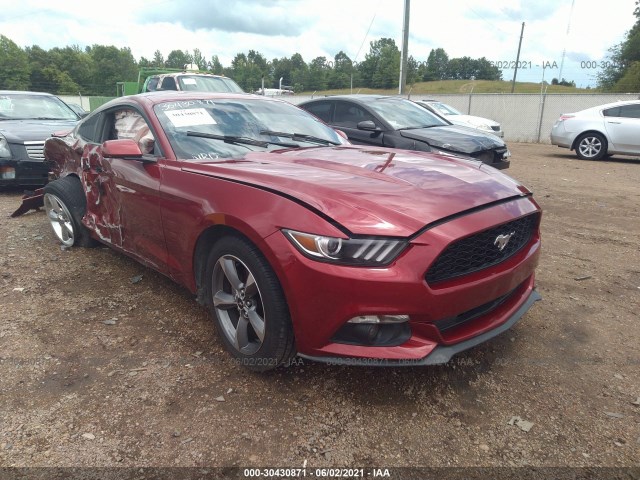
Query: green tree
[158,59]
[622,58]
[111,65]
[340,77]
[437,65]
[14,70]
[381,66]
[318,74]
[199,59]
[178,59]
[215,66]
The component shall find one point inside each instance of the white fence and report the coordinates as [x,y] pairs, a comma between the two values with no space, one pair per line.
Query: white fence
[524,117]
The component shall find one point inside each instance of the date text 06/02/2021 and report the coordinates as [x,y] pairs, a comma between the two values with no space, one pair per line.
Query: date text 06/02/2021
[304,472]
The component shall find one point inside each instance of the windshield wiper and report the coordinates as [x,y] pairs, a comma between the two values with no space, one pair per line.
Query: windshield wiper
[240,140]
[300,136]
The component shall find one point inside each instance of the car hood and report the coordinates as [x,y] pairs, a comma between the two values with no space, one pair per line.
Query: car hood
[454,138]
[373,191]
[17,131]
[471,119]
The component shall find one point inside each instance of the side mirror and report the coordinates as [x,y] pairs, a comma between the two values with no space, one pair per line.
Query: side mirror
[368,125]
[121,149]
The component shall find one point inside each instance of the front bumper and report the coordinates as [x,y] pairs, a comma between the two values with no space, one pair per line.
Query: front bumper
[23,172]
[322,297]
[442,353]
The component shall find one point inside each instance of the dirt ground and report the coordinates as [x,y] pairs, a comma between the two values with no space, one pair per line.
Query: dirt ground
[101,368]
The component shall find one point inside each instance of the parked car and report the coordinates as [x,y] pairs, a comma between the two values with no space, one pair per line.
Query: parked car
[400,123]
[295,240]
[190,81]
[458,118]
[600,131]
[26,120]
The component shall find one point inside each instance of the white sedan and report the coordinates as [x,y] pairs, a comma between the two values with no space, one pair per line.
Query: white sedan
[457,118]
[600,131]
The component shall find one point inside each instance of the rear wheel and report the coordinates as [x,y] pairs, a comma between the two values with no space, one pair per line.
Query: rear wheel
[65,205]
[591,146]
[246,299]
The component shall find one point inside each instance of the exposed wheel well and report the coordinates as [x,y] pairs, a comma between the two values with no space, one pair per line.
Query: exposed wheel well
[205,242]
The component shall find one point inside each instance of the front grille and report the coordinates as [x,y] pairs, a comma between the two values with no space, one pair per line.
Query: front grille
[495,128]
[482,250]
[35,150]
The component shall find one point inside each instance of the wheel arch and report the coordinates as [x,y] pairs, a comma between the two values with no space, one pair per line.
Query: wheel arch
[592,130]
[208,238]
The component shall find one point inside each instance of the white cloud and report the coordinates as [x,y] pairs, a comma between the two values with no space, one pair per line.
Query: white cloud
[474,28]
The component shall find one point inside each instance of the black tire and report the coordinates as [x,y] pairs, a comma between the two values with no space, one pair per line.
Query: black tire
[591,146]
[250,309]
[65,198]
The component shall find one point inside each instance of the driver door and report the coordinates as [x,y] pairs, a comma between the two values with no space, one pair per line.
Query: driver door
[123,193]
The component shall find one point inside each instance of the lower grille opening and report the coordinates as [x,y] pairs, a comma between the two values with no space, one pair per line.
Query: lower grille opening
[373,334]
[464,317]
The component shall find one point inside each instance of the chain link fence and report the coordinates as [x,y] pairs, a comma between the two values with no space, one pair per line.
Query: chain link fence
[524,117]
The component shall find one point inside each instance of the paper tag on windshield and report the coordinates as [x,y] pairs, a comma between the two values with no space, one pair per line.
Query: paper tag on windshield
[190,117]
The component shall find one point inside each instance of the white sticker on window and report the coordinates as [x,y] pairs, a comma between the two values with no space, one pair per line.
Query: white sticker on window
[190,117]
[189,81]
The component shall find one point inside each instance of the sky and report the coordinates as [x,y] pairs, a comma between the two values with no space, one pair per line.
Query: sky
[575,30]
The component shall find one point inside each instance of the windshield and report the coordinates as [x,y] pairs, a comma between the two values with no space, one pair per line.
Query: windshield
[403,114]
[444,109]
[202,83]
[22,106]
[229,128]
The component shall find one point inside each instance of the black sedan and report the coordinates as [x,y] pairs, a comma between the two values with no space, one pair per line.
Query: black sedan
[400,123]
[27,119]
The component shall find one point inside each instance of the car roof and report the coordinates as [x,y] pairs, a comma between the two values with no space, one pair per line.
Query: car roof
[357,97]
[619,103]
[163,96]
[18,92]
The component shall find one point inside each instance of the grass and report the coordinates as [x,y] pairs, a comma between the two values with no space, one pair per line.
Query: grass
[462,86]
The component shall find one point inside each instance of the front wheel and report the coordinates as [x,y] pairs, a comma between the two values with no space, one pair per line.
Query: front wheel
[591,146]
[250,310]
[65,204]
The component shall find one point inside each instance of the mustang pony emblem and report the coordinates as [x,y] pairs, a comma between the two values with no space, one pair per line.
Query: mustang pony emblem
[502,240]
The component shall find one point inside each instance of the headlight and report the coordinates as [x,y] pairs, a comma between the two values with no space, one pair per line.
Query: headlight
[5,151]
[485,127]
[364,252]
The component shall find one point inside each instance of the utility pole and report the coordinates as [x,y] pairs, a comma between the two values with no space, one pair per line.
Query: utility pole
[405,49]
[513,84]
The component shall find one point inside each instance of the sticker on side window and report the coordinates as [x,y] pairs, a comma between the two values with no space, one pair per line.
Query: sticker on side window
[190,117]
[189,81]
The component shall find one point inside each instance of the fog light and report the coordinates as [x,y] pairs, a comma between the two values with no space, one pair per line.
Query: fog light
[380,319]
[7,173]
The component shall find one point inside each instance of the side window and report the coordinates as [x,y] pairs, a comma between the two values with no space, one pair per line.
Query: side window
[152,84]
[322,110]
[169,83]
[611,112]
[349,115]
[127,123]
[630,111]
[87,129]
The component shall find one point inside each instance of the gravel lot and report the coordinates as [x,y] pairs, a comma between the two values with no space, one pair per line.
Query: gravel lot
[106,363]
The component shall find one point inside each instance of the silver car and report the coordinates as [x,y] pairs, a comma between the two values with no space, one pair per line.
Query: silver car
[600,131]
[457,118]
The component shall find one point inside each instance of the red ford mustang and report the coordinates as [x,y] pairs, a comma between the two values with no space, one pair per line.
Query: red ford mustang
[295,240]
